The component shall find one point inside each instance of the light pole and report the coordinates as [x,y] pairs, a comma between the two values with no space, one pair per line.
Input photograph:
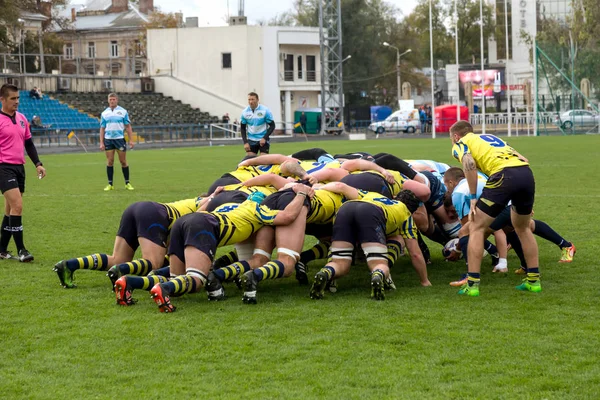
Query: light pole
[398,55]
[21,40]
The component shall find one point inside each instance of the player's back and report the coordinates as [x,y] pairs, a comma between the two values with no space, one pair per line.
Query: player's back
[176,209]
[395,211]
[238,221]
[323,207]
[491,154]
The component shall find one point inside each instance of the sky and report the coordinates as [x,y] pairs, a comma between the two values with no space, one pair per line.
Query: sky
[213,12]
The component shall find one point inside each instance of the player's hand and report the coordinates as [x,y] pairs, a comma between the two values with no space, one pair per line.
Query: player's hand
[311,179]
[262,142]
[389,177]
[303,189]
[102,147]
[131,145]
[247,147]
[472,211]
[218,190]
[454,256]
[41,171]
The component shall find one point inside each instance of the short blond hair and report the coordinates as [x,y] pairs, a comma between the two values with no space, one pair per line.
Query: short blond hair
[113,94]
[461,128]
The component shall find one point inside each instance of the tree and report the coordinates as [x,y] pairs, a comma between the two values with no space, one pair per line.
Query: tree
[158,20]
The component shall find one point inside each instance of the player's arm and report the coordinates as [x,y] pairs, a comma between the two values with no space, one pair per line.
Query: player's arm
[204,202]
[341,188]
[521,157]
[267,159]
[417,260]
[33,154]
[470,169]
[102,130]
[267,179]
[270,125]
[292,210]
[365,165]
[293,168]
[420,190]
[329,174]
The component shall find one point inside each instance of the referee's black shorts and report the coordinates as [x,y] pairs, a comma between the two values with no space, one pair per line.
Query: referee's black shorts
[12,176]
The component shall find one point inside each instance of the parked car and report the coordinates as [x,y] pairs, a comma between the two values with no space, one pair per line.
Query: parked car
[577,119]
[400,121]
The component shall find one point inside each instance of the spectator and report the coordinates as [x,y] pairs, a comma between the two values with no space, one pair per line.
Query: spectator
[35,93]
[36,122]
[319,123]
[303,122]
[423,119]
[225,121]
[235,125]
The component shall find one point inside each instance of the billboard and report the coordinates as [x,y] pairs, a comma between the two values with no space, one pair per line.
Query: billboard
[494,82]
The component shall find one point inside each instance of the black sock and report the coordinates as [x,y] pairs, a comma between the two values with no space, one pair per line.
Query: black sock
[16,226]
[463,243]
[110,172]
[514,241]
[438,235]
[544,231]
[423,247]
[490,248]
[126,174]
[389,161]
[5,234]
[309,154]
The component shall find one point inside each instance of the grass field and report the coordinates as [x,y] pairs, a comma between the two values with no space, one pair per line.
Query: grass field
[420,343]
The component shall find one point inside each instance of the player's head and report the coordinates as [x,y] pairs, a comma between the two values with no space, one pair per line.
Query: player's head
[253,100]
[113,100]
[9,96]
[451,178]
[449,206]
[460,129]
[257,197]
[409,199]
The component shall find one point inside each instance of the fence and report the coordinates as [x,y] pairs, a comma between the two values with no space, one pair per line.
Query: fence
[159,134]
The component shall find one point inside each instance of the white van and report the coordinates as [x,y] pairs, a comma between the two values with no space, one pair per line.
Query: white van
[401,121]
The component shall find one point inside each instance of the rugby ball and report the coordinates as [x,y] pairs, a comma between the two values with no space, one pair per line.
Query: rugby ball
[450,250]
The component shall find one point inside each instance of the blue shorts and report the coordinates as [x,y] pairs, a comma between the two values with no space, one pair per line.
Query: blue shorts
[115,144]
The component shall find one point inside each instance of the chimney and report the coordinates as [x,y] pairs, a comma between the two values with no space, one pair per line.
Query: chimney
[146,6]
[119,6]
[73,15]
[46,8]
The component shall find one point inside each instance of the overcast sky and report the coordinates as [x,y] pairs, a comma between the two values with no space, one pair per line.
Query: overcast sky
[212,12]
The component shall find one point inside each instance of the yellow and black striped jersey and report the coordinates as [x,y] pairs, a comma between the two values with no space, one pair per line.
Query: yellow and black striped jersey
[237,222]
[267,190]
[248,172]
[395,212]
[408,229]
[491,154]
[313,166]
[394,188]
[323,207]
[182,207]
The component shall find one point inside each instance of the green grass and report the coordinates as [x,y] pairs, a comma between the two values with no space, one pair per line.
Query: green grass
[419,343]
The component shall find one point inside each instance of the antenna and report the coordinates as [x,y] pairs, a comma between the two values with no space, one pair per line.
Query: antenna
[241,8]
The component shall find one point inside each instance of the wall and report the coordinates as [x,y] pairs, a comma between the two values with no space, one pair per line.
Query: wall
[48,83]
[195,56]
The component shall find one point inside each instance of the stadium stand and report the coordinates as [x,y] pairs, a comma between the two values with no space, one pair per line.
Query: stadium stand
[145,109]
[53,114]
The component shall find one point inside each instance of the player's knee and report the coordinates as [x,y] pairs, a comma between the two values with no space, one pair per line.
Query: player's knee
[16,208]
[110,163]
[124,163]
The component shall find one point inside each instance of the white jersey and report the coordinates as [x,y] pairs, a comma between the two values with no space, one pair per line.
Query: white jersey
[114,121]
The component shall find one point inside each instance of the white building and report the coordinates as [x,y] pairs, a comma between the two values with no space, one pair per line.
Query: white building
[215,68]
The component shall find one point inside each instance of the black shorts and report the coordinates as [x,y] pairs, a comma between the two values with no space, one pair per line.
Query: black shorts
[280,200]
[514,184]
[231,196]
[255,147]
[115,144]
[12,176]
[226,179]
[320,231]
[199,230]
[502,220]
[359,222]
[369,182]
[145,219]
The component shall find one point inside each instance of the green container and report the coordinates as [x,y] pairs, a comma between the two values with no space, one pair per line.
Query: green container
[312,116]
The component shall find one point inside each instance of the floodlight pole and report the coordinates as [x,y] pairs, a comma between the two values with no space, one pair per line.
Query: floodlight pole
[482,66]
[432,76]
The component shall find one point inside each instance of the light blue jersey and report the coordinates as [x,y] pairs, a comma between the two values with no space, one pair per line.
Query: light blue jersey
[114,121]
[432,165]
[256,121]
[461,196]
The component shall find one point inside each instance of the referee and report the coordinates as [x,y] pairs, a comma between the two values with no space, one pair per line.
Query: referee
[15,139]
[257,124]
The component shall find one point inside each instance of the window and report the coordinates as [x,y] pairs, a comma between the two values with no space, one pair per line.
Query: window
[299,67]
[114,48]
[311,65]
[138,48]
[226,60]
[91,50]
[69,51]
[288,67]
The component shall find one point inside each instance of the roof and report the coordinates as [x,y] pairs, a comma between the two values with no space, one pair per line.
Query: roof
[33,16]
[132,18]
